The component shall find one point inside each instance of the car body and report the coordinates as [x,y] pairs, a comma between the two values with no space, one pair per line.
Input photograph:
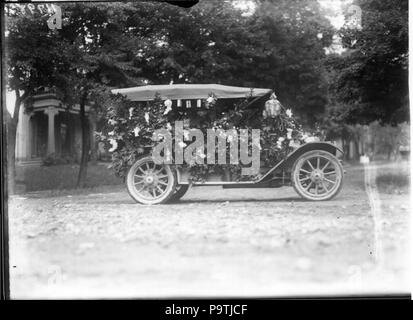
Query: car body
[313,168]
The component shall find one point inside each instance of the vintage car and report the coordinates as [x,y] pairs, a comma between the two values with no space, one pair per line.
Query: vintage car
[313,168]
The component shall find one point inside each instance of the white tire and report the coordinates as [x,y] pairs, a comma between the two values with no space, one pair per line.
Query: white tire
[317,175]
[149,183]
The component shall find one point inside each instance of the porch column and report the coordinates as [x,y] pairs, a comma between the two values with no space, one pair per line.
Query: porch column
[23,135]
[51,143]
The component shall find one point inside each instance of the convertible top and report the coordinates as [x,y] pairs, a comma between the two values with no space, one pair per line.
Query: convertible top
[189,91]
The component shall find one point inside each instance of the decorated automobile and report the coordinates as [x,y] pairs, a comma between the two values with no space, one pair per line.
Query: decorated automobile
[166,138]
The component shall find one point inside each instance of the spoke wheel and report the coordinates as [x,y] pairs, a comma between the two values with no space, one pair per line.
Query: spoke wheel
[180,191]
[150,183]
[317,175]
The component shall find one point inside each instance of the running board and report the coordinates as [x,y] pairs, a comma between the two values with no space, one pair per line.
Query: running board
[269,184]
[239,186]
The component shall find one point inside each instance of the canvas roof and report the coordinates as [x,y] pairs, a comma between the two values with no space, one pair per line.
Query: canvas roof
[189,91]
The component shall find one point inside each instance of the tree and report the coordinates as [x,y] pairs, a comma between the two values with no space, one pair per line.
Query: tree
[372,76]
[97,43]
[298,35]
[34,59]
[102,46]
[80,62]
[281,45]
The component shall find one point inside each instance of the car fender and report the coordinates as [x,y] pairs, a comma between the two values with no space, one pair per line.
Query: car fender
[310,146]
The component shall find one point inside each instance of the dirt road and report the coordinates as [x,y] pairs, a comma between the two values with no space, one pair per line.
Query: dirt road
[214,242]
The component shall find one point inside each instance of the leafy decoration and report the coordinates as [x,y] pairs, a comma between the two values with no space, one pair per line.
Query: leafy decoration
[130,127]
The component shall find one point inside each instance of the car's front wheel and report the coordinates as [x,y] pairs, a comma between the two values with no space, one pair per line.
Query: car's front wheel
[317,175]
[150,183]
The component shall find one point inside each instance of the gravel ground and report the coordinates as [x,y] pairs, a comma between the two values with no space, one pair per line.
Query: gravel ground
[214,242]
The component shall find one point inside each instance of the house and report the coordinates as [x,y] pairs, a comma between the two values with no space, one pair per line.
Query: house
[47,128]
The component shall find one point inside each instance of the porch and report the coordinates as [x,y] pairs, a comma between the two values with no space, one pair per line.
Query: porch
[49,129]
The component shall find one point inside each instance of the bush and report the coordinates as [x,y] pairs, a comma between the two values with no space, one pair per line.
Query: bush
[52,160]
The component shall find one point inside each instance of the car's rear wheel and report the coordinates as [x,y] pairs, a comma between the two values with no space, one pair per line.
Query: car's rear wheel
[317,175]
[180,191]
[150,183]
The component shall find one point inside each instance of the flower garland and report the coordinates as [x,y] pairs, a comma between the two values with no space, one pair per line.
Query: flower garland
[129,129]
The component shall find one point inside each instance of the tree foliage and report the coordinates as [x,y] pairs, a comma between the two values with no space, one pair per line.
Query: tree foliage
[33,51]
[104,46]
[280,45]
[371,78]
[33,61]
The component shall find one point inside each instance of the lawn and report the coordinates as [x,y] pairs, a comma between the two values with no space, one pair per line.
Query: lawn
[61,177]
[394,179]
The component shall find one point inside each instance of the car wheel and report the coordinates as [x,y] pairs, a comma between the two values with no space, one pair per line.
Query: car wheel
[150,183]
[317,175]
[180,191]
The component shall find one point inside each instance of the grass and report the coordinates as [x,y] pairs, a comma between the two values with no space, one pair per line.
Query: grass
[63,177]
[75,192]
[394,183]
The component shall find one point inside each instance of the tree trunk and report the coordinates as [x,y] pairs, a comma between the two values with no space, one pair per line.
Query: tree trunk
[389,152]
[357,148]
[11,152]
[81,178]
[93,143]
[11,133]
[346,147]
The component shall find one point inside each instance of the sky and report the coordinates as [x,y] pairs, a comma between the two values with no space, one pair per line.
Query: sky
[337,20]
[334,6]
